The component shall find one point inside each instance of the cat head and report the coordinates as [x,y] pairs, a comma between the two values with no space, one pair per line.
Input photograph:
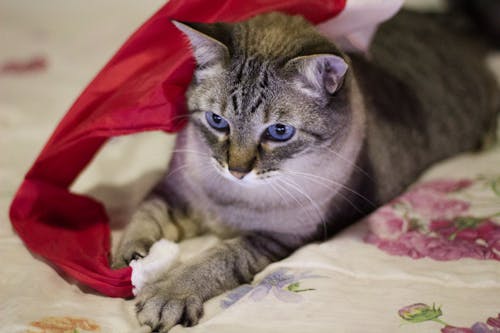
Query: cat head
[267,94]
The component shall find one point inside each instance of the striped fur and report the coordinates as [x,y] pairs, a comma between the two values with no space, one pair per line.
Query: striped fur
[365,129]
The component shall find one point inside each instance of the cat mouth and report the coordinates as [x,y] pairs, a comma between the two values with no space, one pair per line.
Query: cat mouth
[243,177]
[238,174]
[250,178]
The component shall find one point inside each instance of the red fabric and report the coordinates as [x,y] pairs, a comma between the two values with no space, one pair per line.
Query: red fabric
[140,89]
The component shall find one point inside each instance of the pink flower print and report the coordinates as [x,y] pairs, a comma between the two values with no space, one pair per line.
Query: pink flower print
[386,224]
[495,249]
[437,225]
[20,66]
[487,230]
[416,245]
[444,228]
[467,234]
[420,312]
[394,248]
[442,249]
[494,322]
[436,248]
[400,247]
[451,232]
[445,185]
[490,233]
[434,205]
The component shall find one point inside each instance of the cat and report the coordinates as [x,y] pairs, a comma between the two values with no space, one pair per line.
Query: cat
[290,139]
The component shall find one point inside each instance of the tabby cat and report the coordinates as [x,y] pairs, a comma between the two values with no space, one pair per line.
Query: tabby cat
[290,139]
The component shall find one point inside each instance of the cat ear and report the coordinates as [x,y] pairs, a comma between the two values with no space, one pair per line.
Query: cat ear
[319,74]
[205,40]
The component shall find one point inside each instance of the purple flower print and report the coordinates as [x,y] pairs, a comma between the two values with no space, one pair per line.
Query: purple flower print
[235,295]
[284,285]
[476,328]
[483,328]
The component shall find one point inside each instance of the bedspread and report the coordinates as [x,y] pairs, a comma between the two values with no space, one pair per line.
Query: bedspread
[428,261]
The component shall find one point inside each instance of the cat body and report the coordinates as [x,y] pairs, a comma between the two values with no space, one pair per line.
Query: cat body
[446,98]
[289,139]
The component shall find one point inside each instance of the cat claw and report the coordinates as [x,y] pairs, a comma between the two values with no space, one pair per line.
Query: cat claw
[129,251]
[137,256]
[161,310]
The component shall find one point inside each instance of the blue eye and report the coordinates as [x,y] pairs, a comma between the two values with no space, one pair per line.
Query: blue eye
[216,121]
[279,132]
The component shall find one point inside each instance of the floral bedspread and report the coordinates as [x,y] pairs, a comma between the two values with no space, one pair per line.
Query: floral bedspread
[443,219]
[426,262]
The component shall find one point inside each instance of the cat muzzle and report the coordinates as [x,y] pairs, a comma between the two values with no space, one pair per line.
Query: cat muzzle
[238,174]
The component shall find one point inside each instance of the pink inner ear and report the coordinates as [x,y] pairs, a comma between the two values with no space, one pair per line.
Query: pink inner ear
[320,72]
[353,29]
[330,83]
[333,74]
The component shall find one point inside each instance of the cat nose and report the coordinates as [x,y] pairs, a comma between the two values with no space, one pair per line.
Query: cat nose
[238,174]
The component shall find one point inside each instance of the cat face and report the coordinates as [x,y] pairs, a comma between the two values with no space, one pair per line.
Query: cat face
[260,105]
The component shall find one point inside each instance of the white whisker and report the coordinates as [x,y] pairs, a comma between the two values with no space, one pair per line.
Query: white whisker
[316,207]
[291,195]
[331,181]
[275,190]
[187,115]
[350,163]
[338,193]
[182,167]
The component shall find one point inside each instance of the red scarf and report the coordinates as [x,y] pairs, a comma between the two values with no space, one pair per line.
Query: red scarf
[140,89]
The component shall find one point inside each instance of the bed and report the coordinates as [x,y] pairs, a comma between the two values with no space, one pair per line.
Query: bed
[429,261]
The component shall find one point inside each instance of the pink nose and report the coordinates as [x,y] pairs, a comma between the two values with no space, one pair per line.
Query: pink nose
[238,174]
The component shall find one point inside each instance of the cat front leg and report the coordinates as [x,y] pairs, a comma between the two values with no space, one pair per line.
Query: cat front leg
[152,221]
[177,297]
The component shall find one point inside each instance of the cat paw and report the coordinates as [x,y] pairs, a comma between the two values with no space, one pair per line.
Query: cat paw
[131,250]
[161,307]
